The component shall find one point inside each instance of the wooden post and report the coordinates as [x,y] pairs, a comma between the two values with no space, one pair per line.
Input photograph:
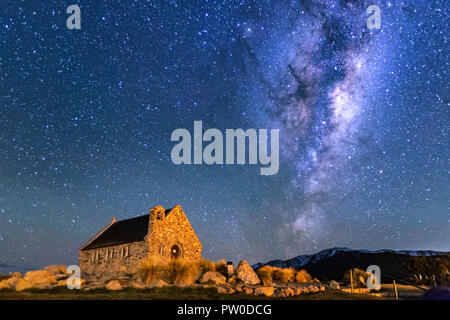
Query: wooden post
[351,279]
[395,290]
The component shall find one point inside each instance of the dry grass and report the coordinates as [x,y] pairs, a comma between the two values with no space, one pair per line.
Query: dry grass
[283,275]
[178,271]
[205,265]
[303,276]
[265,275]
[150,269]
[181,272]
[221,267]
[359,277]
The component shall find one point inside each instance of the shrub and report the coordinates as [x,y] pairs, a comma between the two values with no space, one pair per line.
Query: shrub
[221,267]
[303,276]
[359,277]
[150,269]
[265,275]
[283,275]
[179,271]
[428,270]
[205,265]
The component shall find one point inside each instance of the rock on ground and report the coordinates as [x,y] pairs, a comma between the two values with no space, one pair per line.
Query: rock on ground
[158,284]
[334,285]
[114,285]
[248,290]
[222,290]
[16,275]
[4,284]
[232,280]
[56,270]
[264,291]
[61,283]
[39,277]
[43,286]
[213,277]
[312,288]
[279,294]
[230,290]
[289,292]
[246,274]
[136,285]
[23,285]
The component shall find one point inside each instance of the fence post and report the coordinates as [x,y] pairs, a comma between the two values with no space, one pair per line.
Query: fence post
[395,290]
[351,279]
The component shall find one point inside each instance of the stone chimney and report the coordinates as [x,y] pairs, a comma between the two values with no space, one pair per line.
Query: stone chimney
[157,214]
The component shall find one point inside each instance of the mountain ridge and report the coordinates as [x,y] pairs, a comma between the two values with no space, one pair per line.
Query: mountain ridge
[332,263]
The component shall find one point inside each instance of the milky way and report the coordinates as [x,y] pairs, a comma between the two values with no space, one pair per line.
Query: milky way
[86,118]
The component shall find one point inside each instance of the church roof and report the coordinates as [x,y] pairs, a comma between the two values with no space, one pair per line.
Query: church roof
[121,232]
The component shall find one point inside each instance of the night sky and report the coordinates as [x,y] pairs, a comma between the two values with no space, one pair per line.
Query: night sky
[86,118]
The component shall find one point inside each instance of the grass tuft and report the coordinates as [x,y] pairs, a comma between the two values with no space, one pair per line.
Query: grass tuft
[303,276]
[150,269]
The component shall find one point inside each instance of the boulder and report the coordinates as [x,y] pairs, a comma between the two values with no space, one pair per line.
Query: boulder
[114,285]
[4,284]
[232,280]
[230,290]
[61,283]
[43,286]
[213,277]
[264,291]
[222,290]
[93,286]
[56,270]
[23,284]
[12,281]
[16,275]
[136,285]
[158,284]
[39,277]
[61,276]
[238,289]
[334,285]
[289,292]
[312,288]
[248,290]
[245,273]
[279,294]
[297,291]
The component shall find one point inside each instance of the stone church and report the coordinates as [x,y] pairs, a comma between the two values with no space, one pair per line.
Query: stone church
[122,244]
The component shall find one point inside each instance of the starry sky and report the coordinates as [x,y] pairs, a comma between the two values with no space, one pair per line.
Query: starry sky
[86,118]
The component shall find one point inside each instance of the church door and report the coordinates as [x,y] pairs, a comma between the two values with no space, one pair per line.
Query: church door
[176,251]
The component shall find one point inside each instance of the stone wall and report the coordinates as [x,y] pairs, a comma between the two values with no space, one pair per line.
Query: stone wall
[105,263]
[171,230]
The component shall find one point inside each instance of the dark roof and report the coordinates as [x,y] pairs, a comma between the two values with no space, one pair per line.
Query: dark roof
[121,232]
